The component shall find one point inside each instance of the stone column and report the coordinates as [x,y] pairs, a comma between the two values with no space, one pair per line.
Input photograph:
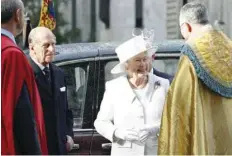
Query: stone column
[227,13]
[154,17]
[102,34]
[214,10]
[220,10]
[83,18]
[122,19]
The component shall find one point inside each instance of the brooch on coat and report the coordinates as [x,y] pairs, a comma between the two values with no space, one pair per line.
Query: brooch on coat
[157,84]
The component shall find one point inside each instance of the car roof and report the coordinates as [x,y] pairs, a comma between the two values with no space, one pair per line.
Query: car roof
[73,51]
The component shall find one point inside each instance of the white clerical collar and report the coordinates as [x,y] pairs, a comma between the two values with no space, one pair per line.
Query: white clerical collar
[8,34]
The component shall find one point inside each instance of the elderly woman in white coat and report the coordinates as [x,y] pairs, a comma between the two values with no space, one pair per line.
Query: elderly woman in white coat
[132,105]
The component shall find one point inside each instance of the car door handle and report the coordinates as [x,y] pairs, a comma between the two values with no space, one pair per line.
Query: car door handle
[106,146]
[76,146]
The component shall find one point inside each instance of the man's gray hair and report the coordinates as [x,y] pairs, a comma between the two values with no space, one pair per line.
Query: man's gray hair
[194,12]
[8,8]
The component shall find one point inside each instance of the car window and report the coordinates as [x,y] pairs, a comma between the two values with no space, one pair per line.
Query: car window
[76,80]
[108,75]
[167,65]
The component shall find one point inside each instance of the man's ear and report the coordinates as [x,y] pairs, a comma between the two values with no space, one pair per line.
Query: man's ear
[31,49]
[30,46]
[18,15]
[189,27]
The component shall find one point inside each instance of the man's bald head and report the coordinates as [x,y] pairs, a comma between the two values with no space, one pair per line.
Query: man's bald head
[38,34]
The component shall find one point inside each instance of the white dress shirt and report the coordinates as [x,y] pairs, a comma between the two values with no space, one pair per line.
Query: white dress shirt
[8,34]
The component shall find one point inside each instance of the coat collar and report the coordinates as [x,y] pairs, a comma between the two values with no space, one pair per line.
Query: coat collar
[39,65]
[131,96]
[36,68]
[39,75]
[127,90]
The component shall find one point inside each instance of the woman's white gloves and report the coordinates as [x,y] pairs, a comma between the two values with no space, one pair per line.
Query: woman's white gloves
[126,134]
[147,131]
[140,135]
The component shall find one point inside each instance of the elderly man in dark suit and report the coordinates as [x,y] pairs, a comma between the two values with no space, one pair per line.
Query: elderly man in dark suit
[163,75]
[158,73]
[50,80]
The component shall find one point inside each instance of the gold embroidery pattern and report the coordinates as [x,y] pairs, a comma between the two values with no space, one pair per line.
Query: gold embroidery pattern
[214,51]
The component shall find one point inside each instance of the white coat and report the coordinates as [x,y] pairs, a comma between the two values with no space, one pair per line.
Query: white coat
[120,108]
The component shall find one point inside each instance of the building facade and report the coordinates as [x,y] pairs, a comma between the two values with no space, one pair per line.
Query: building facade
[114,20]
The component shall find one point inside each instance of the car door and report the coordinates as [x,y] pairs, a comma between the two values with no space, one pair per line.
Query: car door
[81,92]
[100,145]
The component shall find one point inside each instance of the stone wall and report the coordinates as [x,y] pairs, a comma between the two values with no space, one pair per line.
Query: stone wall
[122,20]
[160,15]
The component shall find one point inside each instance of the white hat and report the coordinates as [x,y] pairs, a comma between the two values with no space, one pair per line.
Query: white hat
[130,49]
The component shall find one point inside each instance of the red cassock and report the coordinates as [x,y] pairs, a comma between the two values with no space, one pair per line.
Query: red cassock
[15,71]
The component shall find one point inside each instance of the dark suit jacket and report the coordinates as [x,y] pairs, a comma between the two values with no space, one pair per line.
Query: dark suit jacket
[163,75]
[26,138]
[58,118]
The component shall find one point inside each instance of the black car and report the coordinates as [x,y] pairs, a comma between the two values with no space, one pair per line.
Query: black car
[87,67]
